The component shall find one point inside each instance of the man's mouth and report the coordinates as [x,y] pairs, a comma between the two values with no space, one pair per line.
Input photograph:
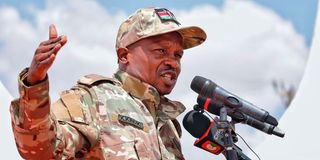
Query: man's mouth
[170,77]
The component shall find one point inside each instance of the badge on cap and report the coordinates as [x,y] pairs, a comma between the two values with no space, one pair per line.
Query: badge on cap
[165,15]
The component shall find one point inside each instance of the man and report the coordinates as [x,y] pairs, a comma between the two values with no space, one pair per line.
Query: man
[124,117]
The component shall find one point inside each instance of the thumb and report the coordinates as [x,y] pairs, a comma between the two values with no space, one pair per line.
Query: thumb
[52,31]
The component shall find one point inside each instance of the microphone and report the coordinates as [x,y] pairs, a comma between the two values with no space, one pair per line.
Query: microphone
[210,137]
[206,131]
[210,106]
[220,97]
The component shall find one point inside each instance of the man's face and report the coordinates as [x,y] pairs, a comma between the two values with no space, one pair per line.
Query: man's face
[156,61]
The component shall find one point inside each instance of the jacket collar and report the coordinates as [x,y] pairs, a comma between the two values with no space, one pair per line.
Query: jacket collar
[160,107]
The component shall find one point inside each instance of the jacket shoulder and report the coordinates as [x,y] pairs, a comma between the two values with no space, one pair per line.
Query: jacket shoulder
[95,79]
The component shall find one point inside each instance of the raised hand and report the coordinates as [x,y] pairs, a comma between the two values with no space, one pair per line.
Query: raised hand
[44,56]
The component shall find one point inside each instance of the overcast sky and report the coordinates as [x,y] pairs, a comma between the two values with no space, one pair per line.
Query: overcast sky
[250,43]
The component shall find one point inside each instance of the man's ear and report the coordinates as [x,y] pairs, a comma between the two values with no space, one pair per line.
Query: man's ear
[122,55]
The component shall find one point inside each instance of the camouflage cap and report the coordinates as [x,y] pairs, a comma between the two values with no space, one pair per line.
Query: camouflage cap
[147,22]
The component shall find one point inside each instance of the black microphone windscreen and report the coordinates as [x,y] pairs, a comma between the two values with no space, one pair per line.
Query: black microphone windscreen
[197,83]
[196,123]
[271,120]
[203,86]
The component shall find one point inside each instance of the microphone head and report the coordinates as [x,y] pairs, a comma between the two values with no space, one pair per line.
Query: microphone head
[196,123]
[197,83]
[271,120]
[278,132]
[203,86]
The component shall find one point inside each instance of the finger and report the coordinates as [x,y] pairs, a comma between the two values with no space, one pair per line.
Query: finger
[51,41]
[53,32]
[48,62]
[56,49]
[43,49]
[63,40]
[43,56]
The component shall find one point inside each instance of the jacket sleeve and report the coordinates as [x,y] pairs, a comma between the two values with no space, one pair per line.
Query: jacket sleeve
[67,131]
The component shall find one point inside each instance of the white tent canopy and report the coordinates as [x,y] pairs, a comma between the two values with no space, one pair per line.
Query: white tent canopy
[299,122]
[8,148]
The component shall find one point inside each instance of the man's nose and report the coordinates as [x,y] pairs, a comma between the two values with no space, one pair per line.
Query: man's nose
[172,63]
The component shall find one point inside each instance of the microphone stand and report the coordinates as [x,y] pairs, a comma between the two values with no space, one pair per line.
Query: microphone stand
[232,151]
[224,125]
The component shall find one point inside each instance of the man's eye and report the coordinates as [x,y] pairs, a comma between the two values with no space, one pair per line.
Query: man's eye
[179,56]
[161,51]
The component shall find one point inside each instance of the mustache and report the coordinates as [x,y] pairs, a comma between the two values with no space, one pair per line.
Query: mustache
[169,70]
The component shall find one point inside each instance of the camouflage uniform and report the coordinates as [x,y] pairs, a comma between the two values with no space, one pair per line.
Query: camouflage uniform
[105,118]
[99,118]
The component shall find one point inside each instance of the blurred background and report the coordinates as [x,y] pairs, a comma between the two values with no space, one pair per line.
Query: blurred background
[256,49]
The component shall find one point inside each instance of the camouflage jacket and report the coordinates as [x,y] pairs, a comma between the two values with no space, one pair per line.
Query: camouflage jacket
[100,118]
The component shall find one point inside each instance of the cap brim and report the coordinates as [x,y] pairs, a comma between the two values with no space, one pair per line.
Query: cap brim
[192,35]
